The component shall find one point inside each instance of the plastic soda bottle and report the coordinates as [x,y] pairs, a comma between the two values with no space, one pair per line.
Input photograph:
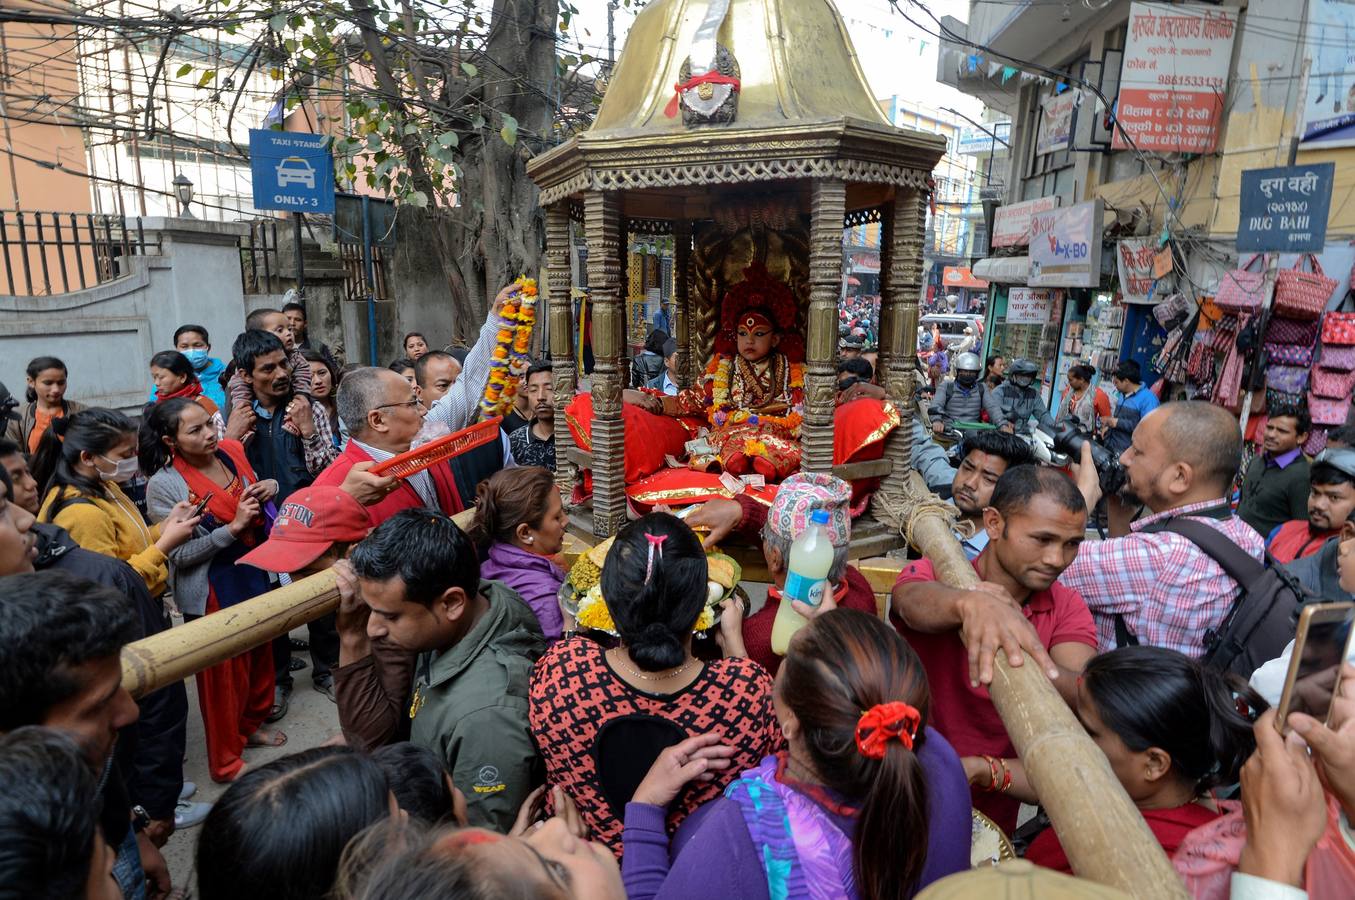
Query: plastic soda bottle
[811,556]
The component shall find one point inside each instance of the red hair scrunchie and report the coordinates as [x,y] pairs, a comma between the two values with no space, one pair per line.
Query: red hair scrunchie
[885,722]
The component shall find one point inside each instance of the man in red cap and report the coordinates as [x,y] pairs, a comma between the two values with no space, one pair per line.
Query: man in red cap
[383,416]
[314,529]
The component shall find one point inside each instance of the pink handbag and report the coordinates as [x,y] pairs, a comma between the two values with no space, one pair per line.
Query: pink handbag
[1288,355]
[1338,328]
[1332,384]
[1341,359]
[1325,411]
[1242,290]
[1300,294]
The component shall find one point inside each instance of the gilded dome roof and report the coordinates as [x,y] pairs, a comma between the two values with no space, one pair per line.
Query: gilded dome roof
[795,58]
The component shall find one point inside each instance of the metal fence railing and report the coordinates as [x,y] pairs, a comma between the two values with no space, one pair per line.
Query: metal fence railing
[55,252]
[259,261]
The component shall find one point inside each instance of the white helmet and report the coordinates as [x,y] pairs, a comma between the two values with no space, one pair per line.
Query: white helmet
[968,361]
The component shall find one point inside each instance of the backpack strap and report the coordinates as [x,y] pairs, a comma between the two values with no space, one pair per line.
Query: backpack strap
[1236,562]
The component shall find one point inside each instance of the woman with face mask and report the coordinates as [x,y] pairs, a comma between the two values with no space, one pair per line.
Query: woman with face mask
[80,464]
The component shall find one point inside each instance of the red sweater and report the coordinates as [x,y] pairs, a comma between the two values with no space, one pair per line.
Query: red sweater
[404,496]
[1169,826]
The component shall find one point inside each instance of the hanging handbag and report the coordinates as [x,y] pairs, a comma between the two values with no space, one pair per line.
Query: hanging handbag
[1331,383]
[1339,327]
[1298,332]
[1174,307]
[1316,443]
[1288,355]
[1341,359]
[1242,290]
[1300,294]
[1287,379]
[1281,400]
[1326,411]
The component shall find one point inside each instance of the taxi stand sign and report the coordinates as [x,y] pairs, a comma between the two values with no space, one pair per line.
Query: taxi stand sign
[291,170]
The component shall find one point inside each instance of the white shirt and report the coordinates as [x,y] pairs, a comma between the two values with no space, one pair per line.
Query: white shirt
[421,481]
[456,409]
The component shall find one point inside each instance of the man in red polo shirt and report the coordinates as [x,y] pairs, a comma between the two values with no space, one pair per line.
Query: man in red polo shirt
[1331,500]
[383,416]
[1036,520]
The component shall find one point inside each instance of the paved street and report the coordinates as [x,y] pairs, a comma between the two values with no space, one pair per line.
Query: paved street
[310,722]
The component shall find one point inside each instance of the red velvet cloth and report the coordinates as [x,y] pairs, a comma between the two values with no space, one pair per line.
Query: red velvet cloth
[648,437]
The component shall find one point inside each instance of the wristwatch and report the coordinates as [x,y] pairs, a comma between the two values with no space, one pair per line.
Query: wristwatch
[140,819]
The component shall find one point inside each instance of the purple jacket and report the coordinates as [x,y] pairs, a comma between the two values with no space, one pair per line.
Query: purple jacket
[536,579]
[712,854]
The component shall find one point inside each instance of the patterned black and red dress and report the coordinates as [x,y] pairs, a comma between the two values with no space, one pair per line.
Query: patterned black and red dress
[599,735]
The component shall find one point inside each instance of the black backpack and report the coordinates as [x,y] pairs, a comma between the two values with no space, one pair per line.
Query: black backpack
[1263,617]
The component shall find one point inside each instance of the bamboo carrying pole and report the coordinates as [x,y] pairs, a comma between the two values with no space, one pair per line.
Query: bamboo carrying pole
[1104,835]
[179,653]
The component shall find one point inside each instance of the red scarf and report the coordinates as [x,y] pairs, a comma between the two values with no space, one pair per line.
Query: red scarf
[225,500]
[190,391]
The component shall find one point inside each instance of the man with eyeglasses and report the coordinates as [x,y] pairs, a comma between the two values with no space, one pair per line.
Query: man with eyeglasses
[383,416]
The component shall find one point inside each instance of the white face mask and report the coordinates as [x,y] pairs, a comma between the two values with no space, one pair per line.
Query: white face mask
[123,469]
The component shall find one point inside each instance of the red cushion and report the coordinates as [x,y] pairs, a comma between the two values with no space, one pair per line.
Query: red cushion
[648,438]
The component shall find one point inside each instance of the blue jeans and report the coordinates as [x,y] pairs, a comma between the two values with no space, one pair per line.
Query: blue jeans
[127,868]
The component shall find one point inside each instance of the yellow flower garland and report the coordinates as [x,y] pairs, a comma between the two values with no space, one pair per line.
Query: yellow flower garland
[512,341]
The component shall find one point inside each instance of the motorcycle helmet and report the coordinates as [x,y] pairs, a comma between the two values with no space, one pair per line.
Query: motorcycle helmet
[967,368]
[1022,372]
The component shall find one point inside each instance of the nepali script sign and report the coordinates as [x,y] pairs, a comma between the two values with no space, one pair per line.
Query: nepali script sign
[1134,257]
[1065,246]
[1011,223]
[1174,77]
[1030,306]
[1285,209]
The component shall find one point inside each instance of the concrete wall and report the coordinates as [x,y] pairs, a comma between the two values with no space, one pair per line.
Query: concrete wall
[107,334]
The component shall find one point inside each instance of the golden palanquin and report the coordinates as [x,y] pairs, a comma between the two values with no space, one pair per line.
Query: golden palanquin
[801,151]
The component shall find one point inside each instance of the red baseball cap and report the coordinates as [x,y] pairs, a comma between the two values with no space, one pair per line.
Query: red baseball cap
[311,520]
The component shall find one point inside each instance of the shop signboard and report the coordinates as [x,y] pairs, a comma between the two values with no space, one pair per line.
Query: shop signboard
[1065,246]
[1285,208]
[1011,224]
[1030,306]
[1329,102]
[993,137]
[1134,258]
[1174,78]
[1056,123]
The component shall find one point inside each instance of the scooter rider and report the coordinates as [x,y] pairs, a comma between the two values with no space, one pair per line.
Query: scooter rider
[963,399]
[1020,399]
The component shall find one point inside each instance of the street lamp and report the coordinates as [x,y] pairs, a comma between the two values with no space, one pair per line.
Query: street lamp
[183,189]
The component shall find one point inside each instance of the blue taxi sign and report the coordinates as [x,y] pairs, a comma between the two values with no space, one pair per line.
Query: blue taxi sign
[291,170]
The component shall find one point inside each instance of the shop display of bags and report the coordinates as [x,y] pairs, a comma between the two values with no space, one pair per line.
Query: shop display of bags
[1288,355]
[1287,379]
[1332,383]
[1327,411]
[1300,294]
[1296,332]
[1338,328]
[1242,290]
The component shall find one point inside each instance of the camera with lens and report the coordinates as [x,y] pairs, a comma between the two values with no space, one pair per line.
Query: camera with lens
[1069,438]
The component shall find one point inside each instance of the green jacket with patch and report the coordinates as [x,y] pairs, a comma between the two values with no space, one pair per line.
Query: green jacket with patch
[470,707]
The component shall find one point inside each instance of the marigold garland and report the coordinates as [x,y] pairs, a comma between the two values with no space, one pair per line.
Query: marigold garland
[723,412]
[512,342]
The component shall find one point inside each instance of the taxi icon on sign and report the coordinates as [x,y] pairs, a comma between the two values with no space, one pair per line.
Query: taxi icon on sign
[295,170]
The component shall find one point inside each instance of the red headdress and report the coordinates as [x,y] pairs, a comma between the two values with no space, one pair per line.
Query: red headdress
[760,293]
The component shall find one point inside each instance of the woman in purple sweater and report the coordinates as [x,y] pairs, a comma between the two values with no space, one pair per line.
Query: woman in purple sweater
[868,802]
[519,523]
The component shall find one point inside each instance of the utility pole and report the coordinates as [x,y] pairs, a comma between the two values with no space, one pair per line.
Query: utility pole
[611,35]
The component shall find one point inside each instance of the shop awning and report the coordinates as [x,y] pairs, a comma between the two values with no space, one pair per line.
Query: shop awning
[961,277]
[1004,269]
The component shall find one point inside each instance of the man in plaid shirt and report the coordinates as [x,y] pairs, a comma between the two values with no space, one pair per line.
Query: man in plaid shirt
[1182,462]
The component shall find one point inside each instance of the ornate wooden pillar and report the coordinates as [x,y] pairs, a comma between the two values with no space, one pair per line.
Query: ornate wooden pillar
[623,279]
[561,312]
[901,237]
[602,222]
[682,262]
[827,209]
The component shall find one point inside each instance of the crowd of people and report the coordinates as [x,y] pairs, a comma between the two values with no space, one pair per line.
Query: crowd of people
[491,746]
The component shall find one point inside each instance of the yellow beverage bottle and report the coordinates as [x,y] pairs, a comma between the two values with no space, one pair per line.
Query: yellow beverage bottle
[811,556]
